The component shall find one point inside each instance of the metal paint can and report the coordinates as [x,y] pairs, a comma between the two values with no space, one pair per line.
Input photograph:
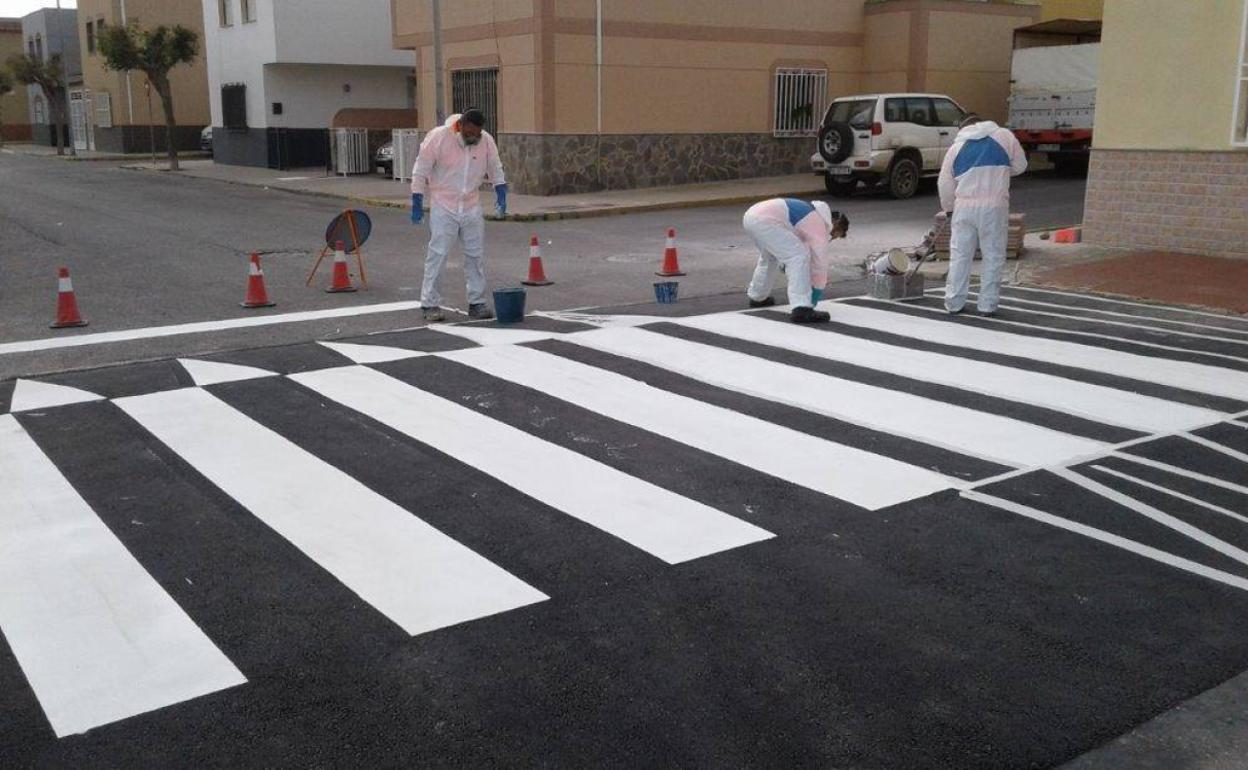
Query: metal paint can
[895,262]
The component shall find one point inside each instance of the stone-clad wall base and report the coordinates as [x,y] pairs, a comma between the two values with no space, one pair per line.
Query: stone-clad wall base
[1173,201]
[552,164]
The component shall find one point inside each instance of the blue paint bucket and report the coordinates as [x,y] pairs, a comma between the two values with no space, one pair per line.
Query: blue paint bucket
[665,292]
[509,305]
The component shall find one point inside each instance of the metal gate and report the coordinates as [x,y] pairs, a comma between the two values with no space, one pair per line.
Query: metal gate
[406,144]
[350,151]
[79,120]
[477,88]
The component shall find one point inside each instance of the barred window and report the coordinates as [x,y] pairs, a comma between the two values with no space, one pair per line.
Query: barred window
[801,95]
[103,109]
[1239,131]
[234,105]
[477,88]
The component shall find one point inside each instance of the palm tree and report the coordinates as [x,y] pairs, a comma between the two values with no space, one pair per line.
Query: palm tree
[31,70]
[153,52]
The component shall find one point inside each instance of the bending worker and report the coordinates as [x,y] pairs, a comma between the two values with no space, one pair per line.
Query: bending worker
[792,235]
[975,186]
[454,160]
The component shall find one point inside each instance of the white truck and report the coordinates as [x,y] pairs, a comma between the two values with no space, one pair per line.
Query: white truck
[1053,91]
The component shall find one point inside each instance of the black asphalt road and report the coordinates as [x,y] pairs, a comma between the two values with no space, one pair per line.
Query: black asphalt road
[153,249]
[942,632]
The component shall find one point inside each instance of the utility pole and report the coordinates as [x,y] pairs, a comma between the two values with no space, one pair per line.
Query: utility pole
[65,110]
[439,89]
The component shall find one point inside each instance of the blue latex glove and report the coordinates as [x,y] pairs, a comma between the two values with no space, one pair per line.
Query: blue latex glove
[815,296]
[500,200]
[418,208]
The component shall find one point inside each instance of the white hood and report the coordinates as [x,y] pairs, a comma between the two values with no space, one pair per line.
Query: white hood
[980,130]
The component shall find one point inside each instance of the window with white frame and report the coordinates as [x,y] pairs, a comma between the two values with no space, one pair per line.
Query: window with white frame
[1239,131]
[41,114]
[249,10]
[800,97]
[225,12]
[103,109]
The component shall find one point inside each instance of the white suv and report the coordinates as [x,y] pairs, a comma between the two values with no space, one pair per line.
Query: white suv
[889,139]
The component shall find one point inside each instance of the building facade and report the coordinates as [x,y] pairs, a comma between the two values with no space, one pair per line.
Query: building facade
[15,107]
[652,93]
[121,113]
[1169,166]
[46,33]
[280,70]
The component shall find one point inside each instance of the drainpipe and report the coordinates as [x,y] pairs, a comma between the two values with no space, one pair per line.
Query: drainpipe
[598,71]
[439,90]
[129,96]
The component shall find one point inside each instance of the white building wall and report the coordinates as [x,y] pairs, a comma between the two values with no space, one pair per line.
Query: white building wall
[311,94]
[237,54]
[336,32]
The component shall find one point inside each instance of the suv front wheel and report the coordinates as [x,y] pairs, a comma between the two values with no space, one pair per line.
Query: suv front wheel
[903,178]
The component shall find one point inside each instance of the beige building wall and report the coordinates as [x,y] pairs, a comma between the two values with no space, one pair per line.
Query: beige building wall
[1075,9]
[189,82]
[14,108]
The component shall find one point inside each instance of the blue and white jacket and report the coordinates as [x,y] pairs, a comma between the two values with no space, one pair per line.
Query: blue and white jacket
[977,169]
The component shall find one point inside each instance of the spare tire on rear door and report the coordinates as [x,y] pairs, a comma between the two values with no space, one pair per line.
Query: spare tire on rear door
[836,142]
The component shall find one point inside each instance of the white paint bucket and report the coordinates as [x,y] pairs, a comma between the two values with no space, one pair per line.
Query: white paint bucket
[895,262]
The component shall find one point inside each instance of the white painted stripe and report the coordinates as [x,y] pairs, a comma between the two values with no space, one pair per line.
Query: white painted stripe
[862,478]
[200,327]
[1110,539]
[491,335]
[1171,492]
[1215,446]
[32,394]
[97,637]
[1212,480]
[1184,375]
[1094,402]
[1107,300]
[957,428]
[984,320]
[213,372]
[415,575]
[660,522]
[371,354]
[1140,321]
[1148,511]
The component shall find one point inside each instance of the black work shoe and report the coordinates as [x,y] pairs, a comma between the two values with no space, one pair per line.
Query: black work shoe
[432,314]
[765,302]
[808,315]
[479,311]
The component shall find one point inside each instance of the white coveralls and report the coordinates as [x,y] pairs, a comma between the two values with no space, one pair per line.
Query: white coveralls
[448,172]
[795,234]
[975,185]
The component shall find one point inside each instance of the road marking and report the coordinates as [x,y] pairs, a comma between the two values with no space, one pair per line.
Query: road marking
[1093,402]
[843,472]
[662,523]
[1099,298]
[1142,322]
[412,573]
[489,335]
[97,637]
[371,354]
[966,431]
[1215,446]
[1213,480]
[200,327]
[979,319]
[1148,511]
[32,394]
[1183,375]
[213,372]
[1173,493]
[1109,538]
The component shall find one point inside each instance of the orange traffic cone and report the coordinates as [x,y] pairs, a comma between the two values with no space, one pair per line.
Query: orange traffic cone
[342,278]
[256,294]
[537,275]
[66,305]
[671,265]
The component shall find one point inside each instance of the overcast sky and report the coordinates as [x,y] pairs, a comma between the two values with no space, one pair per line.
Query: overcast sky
[22,7]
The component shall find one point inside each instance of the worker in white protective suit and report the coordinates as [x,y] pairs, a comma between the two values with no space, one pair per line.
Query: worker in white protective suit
[975,185]
[454,160]
[792,236]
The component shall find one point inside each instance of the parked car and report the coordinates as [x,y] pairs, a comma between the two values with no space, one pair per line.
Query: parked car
[384,160]
[893,140]
[205,139]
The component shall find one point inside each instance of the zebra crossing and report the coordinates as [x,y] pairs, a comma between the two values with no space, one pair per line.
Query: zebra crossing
[1124,425]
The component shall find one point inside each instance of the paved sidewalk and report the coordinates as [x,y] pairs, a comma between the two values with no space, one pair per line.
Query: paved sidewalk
[44,151]
[374,190]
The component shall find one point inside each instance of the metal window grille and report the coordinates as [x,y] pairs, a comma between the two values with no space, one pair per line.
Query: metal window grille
[801,95]
[406,144]
[1239,131]
[477,88]
[41,114]
[103,109]
[234,105]
[350,151]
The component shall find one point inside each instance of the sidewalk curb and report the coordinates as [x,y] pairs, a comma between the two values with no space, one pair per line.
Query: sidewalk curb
[106,158]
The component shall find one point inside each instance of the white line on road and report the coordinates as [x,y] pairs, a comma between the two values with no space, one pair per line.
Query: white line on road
[1099,298]
[412,573]
[200,327]
[1173,493]
[1213,480]
[1215,446]
[1142,322]
[97,637]
[663,523]
[833,469]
